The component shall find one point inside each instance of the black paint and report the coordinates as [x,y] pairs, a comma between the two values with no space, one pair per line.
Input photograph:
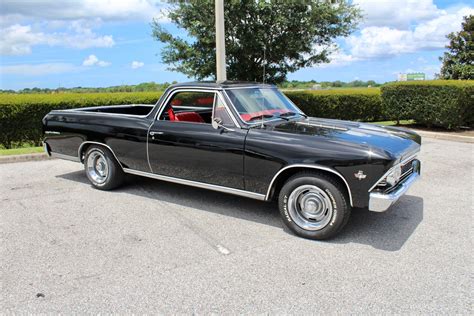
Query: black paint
[246,158]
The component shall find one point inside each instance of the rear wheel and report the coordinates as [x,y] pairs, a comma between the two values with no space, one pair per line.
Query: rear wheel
[314,205]
[102,169]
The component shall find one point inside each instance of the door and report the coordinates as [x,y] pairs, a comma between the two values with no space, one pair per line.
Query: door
[182,142]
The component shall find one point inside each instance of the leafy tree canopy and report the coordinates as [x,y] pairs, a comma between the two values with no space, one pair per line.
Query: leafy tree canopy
[458,62]
[279,37]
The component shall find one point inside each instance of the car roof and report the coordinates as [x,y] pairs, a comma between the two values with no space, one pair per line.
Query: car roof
[222,84]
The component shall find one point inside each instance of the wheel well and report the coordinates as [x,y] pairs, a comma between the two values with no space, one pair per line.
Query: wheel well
[288,173]
[83,149]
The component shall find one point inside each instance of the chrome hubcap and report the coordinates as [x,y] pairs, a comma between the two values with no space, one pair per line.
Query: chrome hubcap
[97,167]
[310,207]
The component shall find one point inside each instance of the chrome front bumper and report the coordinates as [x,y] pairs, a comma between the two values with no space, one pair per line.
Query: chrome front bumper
[380,202]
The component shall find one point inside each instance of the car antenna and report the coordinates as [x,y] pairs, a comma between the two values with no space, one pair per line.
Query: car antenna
[264,62]
[263,77]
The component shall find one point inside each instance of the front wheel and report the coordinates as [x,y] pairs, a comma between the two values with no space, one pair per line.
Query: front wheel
[314,205]
[102,170]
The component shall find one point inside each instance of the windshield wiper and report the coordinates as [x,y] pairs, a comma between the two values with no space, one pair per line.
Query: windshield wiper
[284,115]
[263,116]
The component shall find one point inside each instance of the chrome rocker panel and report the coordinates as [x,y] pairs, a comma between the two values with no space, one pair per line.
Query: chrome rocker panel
[380,202]
[197,184]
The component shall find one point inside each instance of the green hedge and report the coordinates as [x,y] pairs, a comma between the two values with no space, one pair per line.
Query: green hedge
[433,103]
[362,104]
[21,114]
[442,103]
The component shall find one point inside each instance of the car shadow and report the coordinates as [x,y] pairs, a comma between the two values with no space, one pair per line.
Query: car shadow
[196,198]
[385,231]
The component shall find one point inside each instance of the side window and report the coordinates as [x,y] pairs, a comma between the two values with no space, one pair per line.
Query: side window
[189,106]
[220,112]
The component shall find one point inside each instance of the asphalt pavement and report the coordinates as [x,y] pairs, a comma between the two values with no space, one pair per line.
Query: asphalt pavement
[157,247]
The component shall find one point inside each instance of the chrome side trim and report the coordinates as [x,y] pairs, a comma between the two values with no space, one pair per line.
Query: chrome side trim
[191,89]
[52,133]
[148,145]
[78,111]
[380,202]
[65,157]
[267,196]
[86,110]
[259,86]
[309,123]
[197,184]
[404,161]
[79,151]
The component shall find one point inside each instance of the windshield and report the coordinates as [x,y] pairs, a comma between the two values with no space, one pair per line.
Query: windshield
[256,104]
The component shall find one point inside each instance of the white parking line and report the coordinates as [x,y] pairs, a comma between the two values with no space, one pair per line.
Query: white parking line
[223,250]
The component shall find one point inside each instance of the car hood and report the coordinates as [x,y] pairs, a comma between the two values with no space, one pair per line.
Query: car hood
[379,140]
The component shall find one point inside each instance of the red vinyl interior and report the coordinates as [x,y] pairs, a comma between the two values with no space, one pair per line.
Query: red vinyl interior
[188,117]
[171,114]
[205,101]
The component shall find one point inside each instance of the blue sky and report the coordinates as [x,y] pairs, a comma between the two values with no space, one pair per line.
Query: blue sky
[97,43]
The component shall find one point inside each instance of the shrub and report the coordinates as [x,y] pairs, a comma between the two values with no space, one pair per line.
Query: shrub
[442,103]
[362,104]
[21,114]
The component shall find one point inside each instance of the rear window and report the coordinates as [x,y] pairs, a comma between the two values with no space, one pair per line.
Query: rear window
[193,99]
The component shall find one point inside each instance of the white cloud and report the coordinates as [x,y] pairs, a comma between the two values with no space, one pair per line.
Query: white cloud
[25,23]
[338,59]
[384,41]
[428,70]
[84,9]
[19,39]
[137,64]
[397,27]
[92,60]
[38,70]
[400,14]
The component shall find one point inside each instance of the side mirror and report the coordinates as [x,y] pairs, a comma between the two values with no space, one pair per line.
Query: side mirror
[217,123]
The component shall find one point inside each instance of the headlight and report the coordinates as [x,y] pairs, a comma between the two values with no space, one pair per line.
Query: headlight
[394,176]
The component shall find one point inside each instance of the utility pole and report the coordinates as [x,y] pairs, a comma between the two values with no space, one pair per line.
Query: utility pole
[220,41]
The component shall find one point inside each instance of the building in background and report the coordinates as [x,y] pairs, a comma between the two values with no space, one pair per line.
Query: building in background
[411,76]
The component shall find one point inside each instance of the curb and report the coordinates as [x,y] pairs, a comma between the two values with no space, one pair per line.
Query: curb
[23,158]
[445,136]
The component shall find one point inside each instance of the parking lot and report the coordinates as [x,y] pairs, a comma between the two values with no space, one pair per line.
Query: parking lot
[153,246]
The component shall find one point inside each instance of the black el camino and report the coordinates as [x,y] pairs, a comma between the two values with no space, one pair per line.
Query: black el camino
[245,139]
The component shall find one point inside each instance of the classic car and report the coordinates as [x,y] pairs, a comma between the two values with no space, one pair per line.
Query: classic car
[246,139]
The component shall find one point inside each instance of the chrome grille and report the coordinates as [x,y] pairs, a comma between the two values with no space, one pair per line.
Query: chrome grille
[406,167]
[407,170]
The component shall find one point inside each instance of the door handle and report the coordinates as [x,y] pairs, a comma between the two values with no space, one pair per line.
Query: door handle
[156,133]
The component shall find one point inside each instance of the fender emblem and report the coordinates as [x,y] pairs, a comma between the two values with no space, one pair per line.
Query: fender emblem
[360,175]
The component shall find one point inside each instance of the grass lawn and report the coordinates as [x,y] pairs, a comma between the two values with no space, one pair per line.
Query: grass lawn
[394,123]
[20,151]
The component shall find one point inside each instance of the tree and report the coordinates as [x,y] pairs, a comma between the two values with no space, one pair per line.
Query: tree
[275,37]
[458,62]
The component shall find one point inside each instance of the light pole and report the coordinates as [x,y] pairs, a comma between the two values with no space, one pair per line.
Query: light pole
[220,42]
